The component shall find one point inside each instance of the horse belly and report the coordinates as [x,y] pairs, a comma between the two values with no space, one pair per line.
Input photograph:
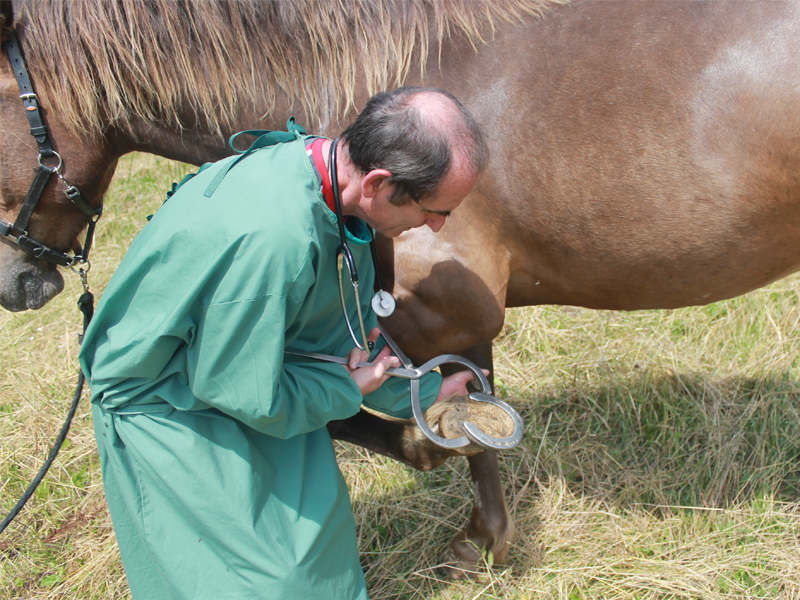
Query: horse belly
[644,154]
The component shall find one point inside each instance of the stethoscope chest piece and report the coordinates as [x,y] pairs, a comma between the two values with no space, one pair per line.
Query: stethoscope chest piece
[383,303]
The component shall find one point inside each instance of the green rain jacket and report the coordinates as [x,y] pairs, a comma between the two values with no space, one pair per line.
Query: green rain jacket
[220,475]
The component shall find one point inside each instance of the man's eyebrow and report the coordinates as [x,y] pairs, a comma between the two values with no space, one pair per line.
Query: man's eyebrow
[443,213]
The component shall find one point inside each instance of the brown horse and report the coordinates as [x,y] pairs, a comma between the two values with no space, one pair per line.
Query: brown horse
[645,154]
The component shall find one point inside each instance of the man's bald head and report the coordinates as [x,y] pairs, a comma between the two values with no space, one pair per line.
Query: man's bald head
[416,134]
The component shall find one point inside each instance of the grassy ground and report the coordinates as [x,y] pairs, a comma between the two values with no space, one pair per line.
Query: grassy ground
[660,458]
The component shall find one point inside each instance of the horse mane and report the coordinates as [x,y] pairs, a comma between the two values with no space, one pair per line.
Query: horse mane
[167,63]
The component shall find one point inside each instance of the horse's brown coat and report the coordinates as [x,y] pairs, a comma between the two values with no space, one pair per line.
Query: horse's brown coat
[645,154]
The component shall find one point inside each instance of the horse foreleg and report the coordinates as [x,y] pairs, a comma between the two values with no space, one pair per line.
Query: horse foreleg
[371,432]
[491,527]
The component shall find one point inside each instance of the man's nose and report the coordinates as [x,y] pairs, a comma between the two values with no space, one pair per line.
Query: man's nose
[435,222]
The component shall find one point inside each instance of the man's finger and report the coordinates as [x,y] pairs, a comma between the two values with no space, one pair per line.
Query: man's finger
[385,362]
[465,376]
[374,334]
[354,357]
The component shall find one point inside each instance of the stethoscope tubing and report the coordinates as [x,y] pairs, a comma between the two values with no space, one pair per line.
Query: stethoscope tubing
[344,255]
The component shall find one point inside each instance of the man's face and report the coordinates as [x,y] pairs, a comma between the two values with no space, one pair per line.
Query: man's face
[393,220]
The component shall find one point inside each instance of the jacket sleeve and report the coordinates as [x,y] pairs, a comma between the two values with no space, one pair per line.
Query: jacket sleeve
[393,398]
[236,364]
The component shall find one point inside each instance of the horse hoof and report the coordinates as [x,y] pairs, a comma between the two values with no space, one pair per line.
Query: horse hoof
[462,559]
[447,419]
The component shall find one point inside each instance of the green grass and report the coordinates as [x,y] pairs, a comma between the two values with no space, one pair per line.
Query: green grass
[661,457]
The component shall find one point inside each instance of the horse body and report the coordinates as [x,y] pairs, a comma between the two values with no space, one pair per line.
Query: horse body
[646,157]
[643,155]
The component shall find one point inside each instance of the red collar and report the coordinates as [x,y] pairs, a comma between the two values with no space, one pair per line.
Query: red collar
[316,155]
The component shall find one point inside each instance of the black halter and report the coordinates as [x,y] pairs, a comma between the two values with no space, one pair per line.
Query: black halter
[18,230]
[19,233]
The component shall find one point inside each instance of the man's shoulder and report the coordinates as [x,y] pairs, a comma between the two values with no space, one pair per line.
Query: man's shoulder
[276,182]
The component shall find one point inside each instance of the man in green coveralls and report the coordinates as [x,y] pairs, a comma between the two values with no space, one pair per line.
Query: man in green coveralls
[219,471]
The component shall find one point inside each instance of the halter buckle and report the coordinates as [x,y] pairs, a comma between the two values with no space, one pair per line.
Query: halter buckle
[57,168]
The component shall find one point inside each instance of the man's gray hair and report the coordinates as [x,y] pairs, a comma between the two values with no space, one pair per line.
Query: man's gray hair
[415,143]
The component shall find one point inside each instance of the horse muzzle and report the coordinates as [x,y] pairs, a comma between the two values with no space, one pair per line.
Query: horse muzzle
[26,282]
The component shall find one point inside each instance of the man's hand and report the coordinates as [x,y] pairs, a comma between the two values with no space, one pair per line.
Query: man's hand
[456,385]
[371,378]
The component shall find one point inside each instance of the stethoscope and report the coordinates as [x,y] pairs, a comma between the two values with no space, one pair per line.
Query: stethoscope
[382,302]
[384,305]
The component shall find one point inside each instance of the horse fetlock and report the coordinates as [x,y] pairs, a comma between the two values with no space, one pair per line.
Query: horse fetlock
[468,557]
[491,520]
[482,545]
[502,531]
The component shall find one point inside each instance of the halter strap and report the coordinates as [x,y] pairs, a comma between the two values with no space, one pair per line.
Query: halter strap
[18,230]
[30,103]
[29,98]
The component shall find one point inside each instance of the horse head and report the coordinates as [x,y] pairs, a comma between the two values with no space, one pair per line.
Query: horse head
[83,162]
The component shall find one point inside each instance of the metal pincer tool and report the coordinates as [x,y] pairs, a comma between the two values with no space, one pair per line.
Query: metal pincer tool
[413,374]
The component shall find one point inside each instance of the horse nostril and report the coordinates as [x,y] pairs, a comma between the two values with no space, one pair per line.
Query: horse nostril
[35,288]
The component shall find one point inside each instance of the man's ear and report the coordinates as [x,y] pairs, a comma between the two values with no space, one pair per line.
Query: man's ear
[375,181]
[6,19]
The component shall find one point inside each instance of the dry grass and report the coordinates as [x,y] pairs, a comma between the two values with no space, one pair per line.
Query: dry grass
[660,458]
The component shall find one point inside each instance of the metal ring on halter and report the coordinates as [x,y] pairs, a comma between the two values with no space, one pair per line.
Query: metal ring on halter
[57,169]
[81,262]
